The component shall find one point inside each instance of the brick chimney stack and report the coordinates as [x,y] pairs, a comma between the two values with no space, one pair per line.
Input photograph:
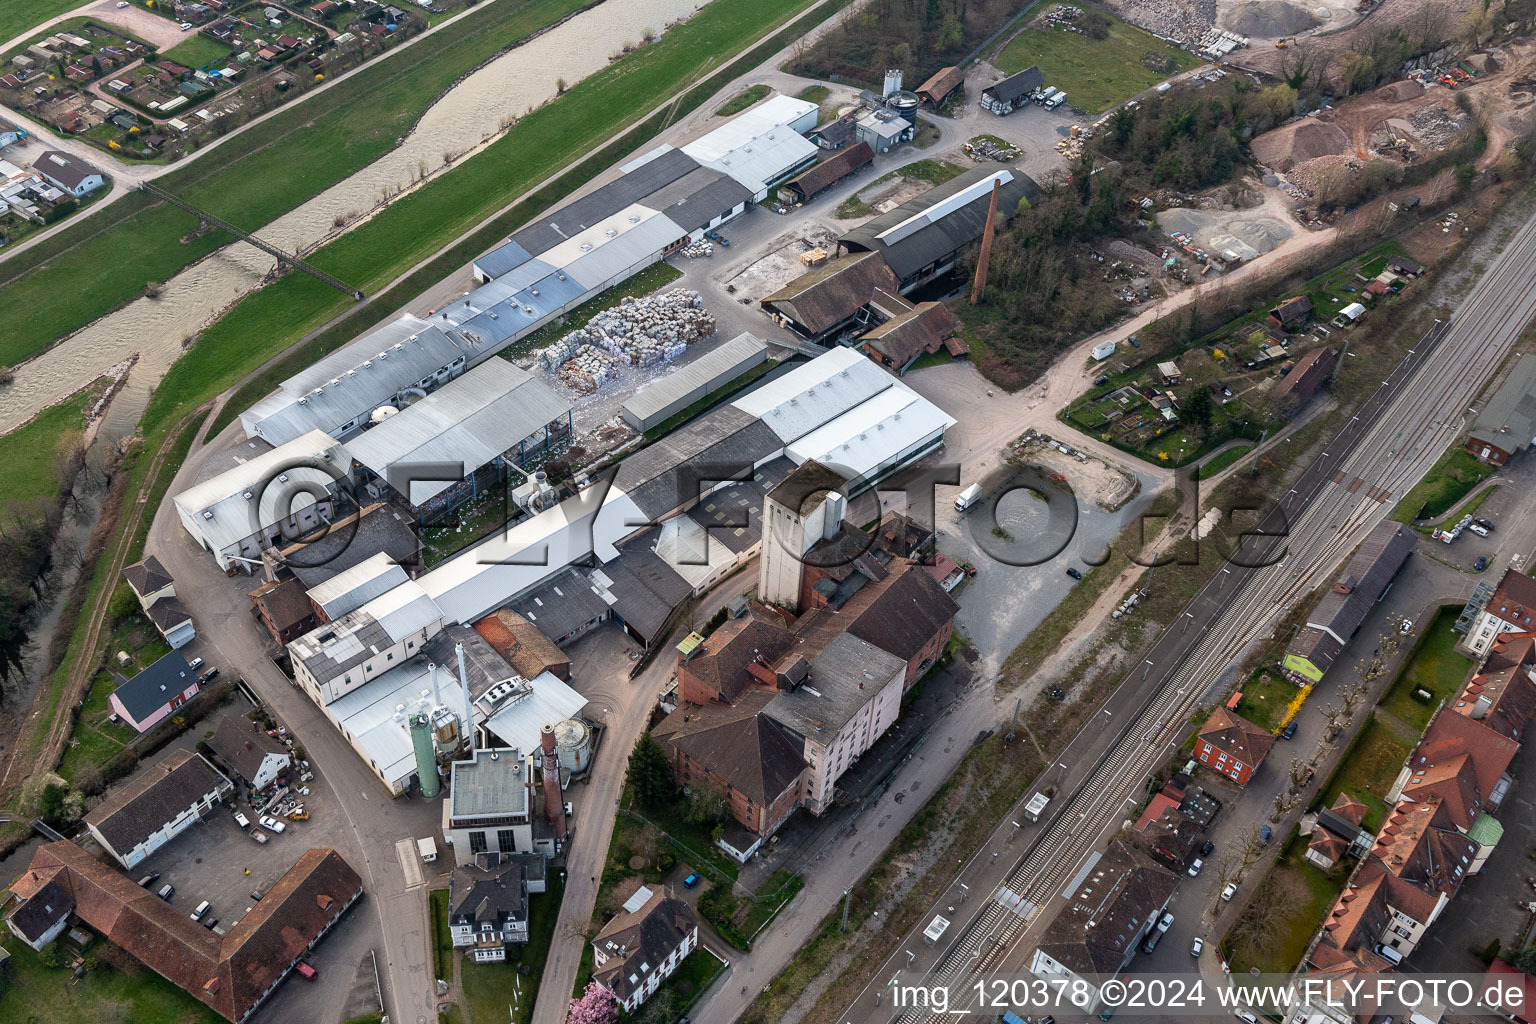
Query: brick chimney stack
[554,801]
[986,245]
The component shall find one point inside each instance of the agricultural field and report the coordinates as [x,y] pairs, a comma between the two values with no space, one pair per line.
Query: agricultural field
[1095,73]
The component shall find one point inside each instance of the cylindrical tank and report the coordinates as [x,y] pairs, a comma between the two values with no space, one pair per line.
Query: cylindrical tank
[892,81]
[445,727]
[382,413]
[573,742]
[905,104]
[426,757]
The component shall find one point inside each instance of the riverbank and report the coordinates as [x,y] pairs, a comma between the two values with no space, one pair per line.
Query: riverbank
[250,180]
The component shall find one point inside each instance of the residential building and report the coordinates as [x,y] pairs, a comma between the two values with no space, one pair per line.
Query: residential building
[1464,765]
[941,86]
[1376,908]
[284,609]
[163,801]
[172,621]
[1419,843]
[156,592]
[42,918]
[69,173]
[270,498]
[846,161]
[488,904]
[1506,425]
[1341,611]
[232,974]
[248,753]
[154,693]
[922,238]
[643,946]
[1511,609]
[1337,832]
[1290,314]
[1174,840]
[1113,902]
[1003,98]
[1231,745]
[1502,694]
[491,805]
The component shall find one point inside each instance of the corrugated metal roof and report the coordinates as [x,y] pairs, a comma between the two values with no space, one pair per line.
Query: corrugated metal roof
[1509,419]
[551,702]
[350,590]
[867,438]
[815,393]
[1015,86]
[576,217]
[696,379]
[676,469]
[940,221]
[261,492]
[759,147]
[641,236]
[356,379]
[470,420]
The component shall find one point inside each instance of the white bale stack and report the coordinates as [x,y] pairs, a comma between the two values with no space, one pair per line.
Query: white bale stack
[641,332]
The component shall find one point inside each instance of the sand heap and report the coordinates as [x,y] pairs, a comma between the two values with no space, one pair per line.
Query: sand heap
[1269,19]
[1399,92]
[1286,147]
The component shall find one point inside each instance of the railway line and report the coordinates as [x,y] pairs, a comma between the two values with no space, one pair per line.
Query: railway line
[1398,433]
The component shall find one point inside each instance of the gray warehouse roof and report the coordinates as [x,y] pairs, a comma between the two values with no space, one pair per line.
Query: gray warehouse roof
[940,221]
[1508,421]
[1343,608]
[471,420]
[686,385]
[1015,86]
[720,445]
[632,187]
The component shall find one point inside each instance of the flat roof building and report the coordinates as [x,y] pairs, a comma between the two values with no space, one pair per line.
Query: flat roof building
[669,395]
[762,146]
[1507,424]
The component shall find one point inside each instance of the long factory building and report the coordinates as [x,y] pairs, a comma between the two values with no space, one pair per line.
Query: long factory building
[662,201]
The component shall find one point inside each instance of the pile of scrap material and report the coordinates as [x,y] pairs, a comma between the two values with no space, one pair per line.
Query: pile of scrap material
[641,332]
[587,369]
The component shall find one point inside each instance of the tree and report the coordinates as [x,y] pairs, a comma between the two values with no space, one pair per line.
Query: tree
[1199,406]
[597,1005]
[651,774]
[708,804]
[1525,960]
[660,1008]
[1278,102]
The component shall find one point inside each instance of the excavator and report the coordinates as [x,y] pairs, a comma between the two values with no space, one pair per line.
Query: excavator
[1281,44]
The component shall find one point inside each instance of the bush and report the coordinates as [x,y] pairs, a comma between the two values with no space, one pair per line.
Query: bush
[123,604]
[666,862]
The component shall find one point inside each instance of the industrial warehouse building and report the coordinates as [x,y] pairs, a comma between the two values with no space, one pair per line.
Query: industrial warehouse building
[826,300]
[658,401]
[462,438]
[1340,612]
[829,172]
[763,146]
[273,495]
[921,238]
[1005,97]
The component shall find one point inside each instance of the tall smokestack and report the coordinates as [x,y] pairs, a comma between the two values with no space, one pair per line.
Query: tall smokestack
[554,803]
[986,245]
[437,691]
[469,705]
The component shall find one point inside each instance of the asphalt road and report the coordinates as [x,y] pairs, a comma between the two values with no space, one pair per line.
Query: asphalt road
[1399,432]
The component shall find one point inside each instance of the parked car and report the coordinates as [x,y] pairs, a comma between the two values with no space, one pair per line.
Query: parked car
[1229,891]
[1101,380]
[1406,627]
[1194,869]
[210,923]
[1480,564]
[186,26]
[195,664]
[210,675]
[201,911]
[257,894]
[1208,849]
[1133,341]
[306,972]
[1072,571]
[1265,834]
[1289,732]
[1485,524]
[271,824]
[1197,947]
[692,880]
[166,892]
[1479,529]
[121,4]
[242,820]
[149,880]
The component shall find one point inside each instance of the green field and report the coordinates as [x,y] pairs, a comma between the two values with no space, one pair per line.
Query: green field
[742,100]
[198,51]
[1370,767]
[1448,481]
[1436,666]
[250,180]
[30,457]
[16,16]
[412,229]
[34,992]
[1209,469]
[1094,73]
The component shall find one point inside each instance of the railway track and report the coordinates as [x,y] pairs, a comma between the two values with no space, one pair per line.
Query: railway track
[1405,425]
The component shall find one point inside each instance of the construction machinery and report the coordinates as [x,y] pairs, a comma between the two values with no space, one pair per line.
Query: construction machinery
[1281,44]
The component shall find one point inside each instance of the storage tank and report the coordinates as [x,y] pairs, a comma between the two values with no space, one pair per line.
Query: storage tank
[382,413]
[904,104]
[573,742]
[426,757]
[892,81]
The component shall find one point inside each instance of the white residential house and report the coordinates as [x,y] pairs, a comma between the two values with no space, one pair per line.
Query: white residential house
[488,903]
[643,945]
[1511,609]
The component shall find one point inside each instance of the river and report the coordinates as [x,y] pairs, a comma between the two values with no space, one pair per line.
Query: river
[470,113]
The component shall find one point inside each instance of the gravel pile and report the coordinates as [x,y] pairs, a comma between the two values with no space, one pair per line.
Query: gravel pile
[1270,19]
[1286,147]
[1435,126]
[1184,20]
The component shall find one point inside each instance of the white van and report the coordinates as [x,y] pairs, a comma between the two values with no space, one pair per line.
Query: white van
[1390,955]
[428,850]
[968,497]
